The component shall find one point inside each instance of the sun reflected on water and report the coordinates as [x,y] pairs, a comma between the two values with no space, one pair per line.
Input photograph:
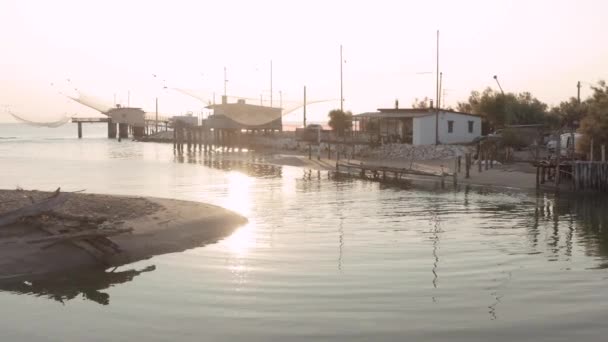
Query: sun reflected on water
[241,241]
[239,193]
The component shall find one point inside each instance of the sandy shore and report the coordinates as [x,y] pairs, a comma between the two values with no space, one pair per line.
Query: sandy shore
[520,176]
[158,226]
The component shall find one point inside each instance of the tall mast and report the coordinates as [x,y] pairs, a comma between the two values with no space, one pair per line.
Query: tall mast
[341,83]
[225,81]
[437,96]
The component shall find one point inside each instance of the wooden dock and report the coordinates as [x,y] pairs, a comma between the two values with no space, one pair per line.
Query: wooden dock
[389,174]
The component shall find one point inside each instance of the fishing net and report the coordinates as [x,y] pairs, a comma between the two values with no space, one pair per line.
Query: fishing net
[51,124]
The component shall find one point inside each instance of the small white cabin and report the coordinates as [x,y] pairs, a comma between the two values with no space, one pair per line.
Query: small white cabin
[418,126]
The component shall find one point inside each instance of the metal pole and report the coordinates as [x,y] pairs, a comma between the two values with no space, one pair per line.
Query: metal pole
[341,82]
[304,106]
[440,86]
[319,142]
[225,81]
[437,96]
[572,137]
[499,87]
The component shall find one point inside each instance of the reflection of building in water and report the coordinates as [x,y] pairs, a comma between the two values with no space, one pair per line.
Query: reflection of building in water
[67,286]
[254,166]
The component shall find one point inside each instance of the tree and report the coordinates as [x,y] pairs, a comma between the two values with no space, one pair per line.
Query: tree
[498,109]
[568,113]
[340,121]
[421,104]
[594,125]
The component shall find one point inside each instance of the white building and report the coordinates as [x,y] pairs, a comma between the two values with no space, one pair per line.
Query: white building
[418,126]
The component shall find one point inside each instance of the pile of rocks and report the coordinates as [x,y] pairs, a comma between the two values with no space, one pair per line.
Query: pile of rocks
[420,152]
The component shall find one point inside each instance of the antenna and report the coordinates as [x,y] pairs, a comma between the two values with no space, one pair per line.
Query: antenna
[341,82]
[225,81]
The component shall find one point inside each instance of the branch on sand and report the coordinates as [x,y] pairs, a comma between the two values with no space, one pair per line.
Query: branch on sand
[44,206]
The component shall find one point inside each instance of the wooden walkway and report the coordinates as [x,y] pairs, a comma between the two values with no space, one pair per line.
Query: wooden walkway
[388,174]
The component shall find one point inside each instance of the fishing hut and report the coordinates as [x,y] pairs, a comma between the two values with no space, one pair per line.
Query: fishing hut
[231,123]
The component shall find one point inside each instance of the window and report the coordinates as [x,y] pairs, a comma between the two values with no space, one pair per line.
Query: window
[450,126]
[471,123]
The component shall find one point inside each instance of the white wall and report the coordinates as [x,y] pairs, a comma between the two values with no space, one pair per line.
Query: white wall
[424,129]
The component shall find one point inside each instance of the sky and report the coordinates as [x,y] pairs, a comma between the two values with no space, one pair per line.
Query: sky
[110,49]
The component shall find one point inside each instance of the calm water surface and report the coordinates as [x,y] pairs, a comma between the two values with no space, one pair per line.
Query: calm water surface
[321,259]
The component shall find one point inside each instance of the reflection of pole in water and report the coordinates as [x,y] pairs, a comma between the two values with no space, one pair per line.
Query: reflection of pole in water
[497,297]
[341,242]
[492,307]
[435,237]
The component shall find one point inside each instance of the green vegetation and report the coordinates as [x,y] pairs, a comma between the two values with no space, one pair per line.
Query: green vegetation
[340,121]
[498,110]
[594,120]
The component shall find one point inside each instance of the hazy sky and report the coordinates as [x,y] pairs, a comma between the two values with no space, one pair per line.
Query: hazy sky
[112,47]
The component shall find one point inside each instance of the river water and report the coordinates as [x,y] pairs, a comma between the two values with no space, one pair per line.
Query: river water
[321,258]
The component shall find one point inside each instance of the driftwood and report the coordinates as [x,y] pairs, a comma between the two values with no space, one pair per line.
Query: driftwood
[84,234]
[90,246]
[44,206]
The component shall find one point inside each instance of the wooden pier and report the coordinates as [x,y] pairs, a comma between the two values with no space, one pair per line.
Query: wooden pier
[390,174]
[580,175]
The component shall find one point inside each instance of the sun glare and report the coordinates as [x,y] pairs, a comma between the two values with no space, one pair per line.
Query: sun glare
[242,241]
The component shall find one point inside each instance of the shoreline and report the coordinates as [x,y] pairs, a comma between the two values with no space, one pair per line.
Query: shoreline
[156,226]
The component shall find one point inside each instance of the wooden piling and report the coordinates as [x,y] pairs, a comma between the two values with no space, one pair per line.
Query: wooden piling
[80,130]
[467,165]
[459,163]
[485,157]
[542,174]
[479,165]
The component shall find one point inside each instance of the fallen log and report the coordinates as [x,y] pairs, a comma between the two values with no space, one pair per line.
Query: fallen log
[85,234]
[41,207]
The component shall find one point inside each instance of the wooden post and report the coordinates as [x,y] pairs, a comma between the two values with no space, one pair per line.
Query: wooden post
[80,130]
[328,150]
[603,153]
[459,163]
[455,178]
[485,157]
[575,175]
[537,177]
[174,137]
[309,151]
[467,165]
[542,174]
[591,152]
[558,158]
[479,165]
